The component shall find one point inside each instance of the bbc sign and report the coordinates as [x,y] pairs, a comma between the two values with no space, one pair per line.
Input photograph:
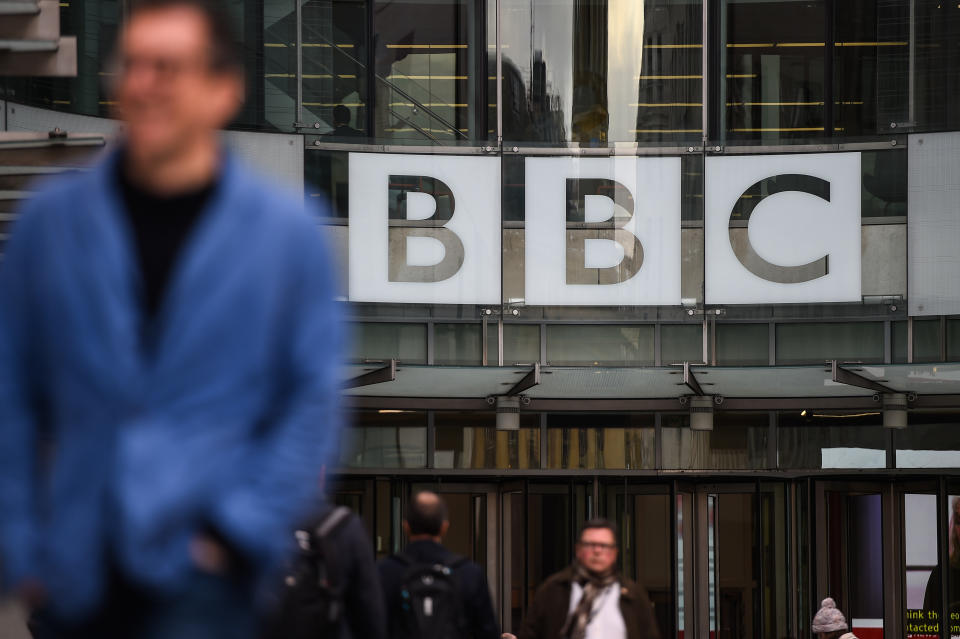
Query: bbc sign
[604,231]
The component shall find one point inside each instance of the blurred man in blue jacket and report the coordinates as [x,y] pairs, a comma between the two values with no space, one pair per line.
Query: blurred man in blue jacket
[168,361]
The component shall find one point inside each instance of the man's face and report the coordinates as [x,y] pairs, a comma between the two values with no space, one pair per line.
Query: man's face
[597,550]
[167,93]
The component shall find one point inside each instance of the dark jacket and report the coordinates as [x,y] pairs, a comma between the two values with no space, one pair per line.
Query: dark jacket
[550,605]
[475,595]
[355,568]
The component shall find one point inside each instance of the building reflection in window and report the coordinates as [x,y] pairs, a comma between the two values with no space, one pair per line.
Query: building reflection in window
[573,71]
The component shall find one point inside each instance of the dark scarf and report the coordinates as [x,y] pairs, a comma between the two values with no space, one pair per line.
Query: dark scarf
[575,626]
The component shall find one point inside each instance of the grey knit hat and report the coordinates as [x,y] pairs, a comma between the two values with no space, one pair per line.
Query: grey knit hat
[828,618]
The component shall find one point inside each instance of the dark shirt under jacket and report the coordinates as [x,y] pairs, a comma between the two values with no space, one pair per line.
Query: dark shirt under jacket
[160,226]
[474,592]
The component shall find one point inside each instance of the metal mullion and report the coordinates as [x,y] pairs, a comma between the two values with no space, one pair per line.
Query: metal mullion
[371,75]
[499,75]
[299,44]
[888,342]
[758,560]
[943,501]
[543,441]
[431,437]
[674,585]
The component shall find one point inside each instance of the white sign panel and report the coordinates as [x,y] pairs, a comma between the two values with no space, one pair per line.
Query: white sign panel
[424,229]
[602,231]
[795,238]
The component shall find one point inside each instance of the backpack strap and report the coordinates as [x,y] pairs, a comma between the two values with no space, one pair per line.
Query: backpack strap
[332,521]
[455,561]
[404,559]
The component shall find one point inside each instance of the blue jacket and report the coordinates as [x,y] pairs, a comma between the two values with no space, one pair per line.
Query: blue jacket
[105,449]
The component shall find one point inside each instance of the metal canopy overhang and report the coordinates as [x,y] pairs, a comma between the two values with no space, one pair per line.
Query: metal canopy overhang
[650,388]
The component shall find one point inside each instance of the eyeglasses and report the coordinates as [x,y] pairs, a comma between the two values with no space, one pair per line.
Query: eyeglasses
[596,545]
[164,69]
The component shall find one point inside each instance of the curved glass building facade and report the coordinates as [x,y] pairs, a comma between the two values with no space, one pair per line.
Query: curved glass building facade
[692,266]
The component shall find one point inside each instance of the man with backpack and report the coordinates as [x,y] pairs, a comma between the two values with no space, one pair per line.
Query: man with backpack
[430,592]
[331,588]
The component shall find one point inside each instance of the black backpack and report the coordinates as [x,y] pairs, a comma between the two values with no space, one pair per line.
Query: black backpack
[430,601]
[311,601]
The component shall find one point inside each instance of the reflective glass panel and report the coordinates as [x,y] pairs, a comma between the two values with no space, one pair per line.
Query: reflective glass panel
[385,439]
[884,188]
[816,343]
[953,340]
[926,340]
[521,343]
[431,64]
[383,341]
[831,439]
[743,344]
[931,440]
[600,345]
[595,72]
[937,88]
[923,612]
[681,343]
[327,180]
[736,584]
[600,441]
[457,344]
[96,26]
[871,66]
[737,441]
[471,440]
[335,69]
[775,89]
[855,559]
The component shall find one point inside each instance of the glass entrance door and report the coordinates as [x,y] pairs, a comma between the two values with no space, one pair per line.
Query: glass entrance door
[732,560]
[855,541]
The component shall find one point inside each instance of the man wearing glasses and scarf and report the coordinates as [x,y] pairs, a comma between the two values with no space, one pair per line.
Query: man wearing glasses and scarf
[601,603]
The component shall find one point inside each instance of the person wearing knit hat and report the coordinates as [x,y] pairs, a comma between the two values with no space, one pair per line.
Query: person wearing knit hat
[849,635]
[829,622]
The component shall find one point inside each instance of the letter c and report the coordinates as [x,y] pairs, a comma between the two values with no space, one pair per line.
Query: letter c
[748,256]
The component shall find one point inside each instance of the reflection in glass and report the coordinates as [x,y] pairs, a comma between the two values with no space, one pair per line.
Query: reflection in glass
[326,177]
[953,340]
[389,340]
[471,440]
[926,340]
[385,439]
[521,343]
[932,440]
[737,441]
[743,344]
[871,59]
[830,439]
[816,342]
[921,571]
[681,343]
[855,558]
[599,345]
[573,71]
[884,192]
[600,441]
[457,344]
[735,582]
[431,65]
[96,25]
[549,533]
[937,88]
[335,68]
[652,541]
[774,87]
